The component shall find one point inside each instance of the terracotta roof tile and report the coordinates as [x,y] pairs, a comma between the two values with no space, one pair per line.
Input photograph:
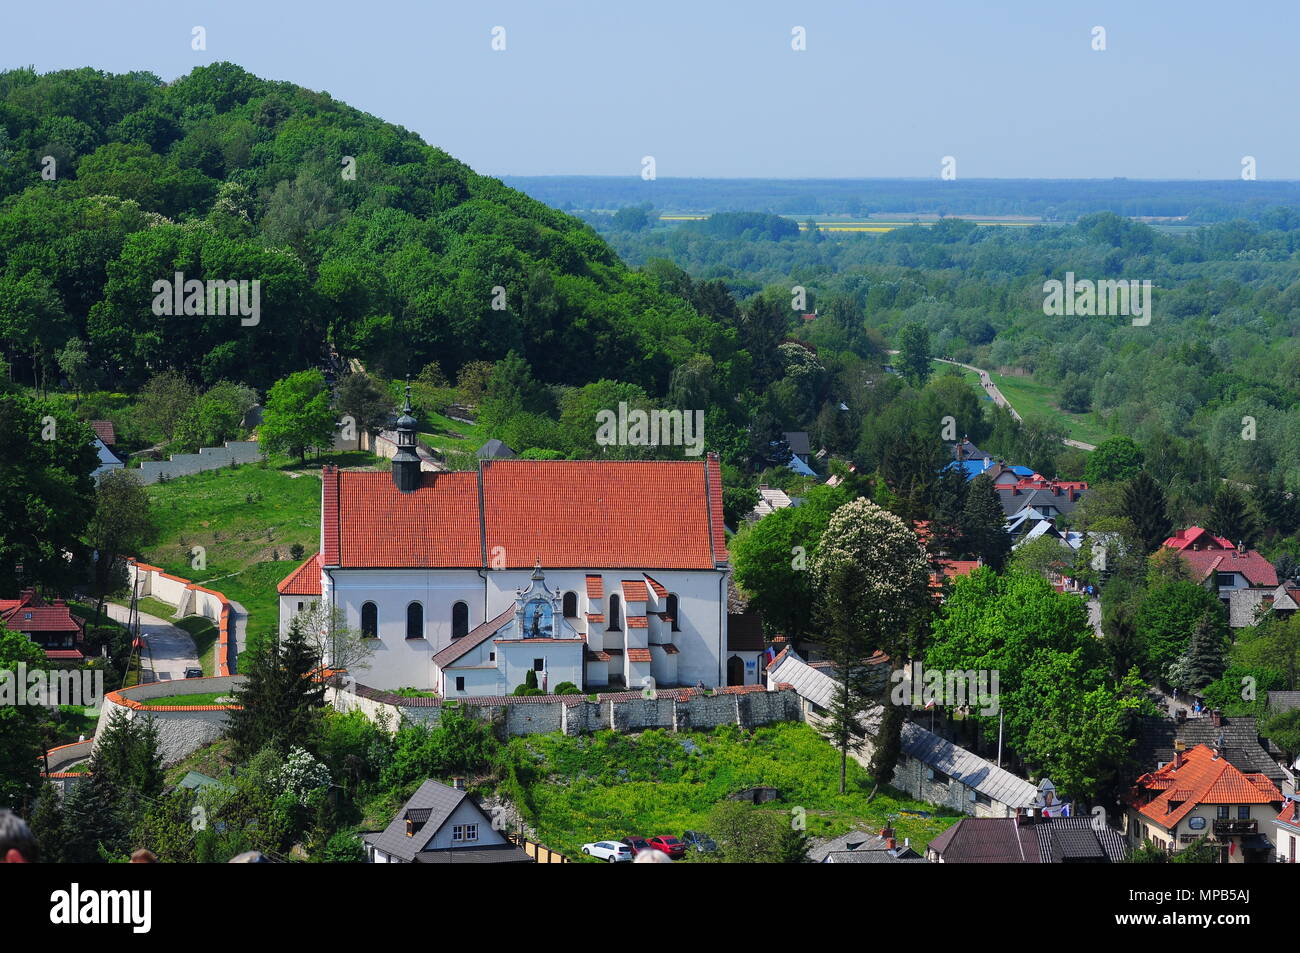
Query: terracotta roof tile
[658,588]
[638,655]
[596,617]
[303,581]
[104,431]
[595,587]
[1201,778]
[1257,570]
[634,590]
[638,622]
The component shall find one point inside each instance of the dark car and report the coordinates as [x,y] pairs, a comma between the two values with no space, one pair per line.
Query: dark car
[194,673]
[668,844]
[701,842]
[637,844]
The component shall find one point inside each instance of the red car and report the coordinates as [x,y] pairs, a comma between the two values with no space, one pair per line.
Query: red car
[637,844]
[669,845]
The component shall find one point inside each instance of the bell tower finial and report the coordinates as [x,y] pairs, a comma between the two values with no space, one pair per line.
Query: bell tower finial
[406,463]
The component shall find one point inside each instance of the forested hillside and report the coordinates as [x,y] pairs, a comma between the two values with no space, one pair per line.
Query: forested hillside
[358,231]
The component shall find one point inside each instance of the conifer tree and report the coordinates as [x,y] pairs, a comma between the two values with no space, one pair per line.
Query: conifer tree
[1144,504]
[984,524]
[280,701]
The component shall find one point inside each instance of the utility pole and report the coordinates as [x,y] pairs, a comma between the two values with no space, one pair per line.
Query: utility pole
[999,737]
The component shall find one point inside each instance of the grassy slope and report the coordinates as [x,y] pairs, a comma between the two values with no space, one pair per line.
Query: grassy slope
[244,518]
[612,786]
[447,434]
[1032,399]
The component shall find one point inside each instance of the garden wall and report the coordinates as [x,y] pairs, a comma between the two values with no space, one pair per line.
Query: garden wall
[182,729]
[208,458]
[191,599]
[678,709]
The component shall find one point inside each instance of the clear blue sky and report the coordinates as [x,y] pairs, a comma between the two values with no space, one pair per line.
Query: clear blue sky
[1184,89]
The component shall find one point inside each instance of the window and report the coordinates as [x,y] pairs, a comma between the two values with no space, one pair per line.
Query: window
[570,605]
[983,799]
[1243,812]
[459,620]
[492,656]
[615,615]
[672,611]
[415,621]
[1225,578]
[464,832]
[369,621]
[539,664]
[300,607]
[460,683]
[1222,813]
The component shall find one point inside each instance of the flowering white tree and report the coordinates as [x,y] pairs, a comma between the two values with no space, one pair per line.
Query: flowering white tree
[872,584]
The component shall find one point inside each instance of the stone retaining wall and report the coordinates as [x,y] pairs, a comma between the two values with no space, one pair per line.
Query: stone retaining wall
[182,729]
[208,458]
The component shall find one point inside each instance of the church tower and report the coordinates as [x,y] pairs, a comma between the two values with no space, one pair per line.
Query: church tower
[406,465]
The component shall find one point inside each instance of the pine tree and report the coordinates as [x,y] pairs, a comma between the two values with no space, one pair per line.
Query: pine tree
[1143,503]
[946,534]
[280,701]
[1205,660]
[1231,518]
[984,524]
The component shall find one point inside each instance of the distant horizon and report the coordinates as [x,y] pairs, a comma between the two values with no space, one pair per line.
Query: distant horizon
[866,178]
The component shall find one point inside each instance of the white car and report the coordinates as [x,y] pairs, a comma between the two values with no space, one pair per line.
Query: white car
[610,851]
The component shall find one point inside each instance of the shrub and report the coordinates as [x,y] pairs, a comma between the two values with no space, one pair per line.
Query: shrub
[567,688]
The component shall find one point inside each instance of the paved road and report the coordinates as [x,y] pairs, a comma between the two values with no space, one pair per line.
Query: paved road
[998,398]
[170,649]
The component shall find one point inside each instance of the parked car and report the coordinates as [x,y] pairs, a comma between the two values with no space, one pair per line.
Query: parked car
[608,850]
[636,844]
[700,842]
[194,673]
[668,844]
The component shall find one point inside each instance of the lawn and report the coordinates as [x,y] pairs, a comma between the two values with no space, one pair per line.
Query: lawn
[609,786]
[198,698]
[247,520]
[448,434]
[1032,399]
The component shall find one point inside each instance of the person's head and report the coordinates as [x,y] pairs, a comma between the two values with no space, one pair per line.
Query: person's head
[652,857]
[249,857]
[143,856]
[17,845]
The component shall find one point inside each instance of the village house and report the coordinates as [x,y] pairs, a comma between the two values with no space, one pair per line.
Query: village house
[1200,794]
[1027,838]
[1245,581]
[52,626]
[105,439]
[1236,738]
[1288,831]
[441,825]
[602,573]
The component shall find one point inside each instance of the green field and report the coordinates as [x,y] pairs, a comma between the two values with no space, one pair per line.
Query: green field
[247,519]
[447,434]
[1032,399]
[198,698]
[609,786]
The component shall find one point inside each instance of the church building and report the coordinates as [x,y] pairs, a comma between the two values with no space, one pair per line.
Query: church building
[601,573]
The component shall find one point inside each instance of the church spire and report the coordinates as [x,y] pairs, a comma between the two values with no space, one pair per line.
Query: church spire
[406,464]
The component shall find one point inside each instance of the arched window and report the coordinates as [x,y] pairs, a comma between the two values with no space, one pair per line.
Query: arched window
[570,605]
[369,621]
[415,621]
[615,614]
[672,611]
[459,620]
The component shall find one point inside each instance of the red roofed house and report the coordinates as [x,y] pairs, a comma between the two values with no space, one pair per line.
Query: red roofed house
[1217,564]
[1198,794]
[594,572]
[51,626]
[1288,831]
[105,437]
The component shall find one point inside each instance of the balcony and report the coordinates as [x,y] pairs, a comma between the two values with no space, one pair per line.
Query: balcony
[1235,828]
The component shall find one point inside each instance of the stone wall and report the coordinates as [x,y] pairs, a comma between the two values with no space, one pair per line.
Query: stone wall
[208,458]
[190,598]
[182,729]
[672,709]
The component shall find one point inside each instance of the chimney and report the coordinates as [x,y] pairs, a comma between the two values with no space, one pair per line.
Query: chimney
[888,834]
[1216,717]
[1179,747]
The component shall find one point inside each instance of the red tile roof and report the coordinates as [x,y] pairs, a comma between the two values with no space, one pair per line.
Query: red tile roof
[1169,794]
[634,590]
[1194,535]
[1259,572]
[658,588]
[638,655]
[638,622]
[615,514]
[596,617]
[104,431]
[303,581]
[595,587]
[668,647]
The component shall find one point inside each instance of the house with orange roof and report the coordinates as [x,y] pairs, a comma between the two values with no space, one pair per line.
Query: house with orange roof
[1245,581]
[599,572]
[1201,794]
[1288,831]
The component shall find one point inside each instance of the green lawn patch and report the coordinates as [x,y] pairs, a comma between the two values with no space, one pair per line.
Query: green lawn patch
[205,633]
[1032,399]
[447,434]
[614,785]
[198,698]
